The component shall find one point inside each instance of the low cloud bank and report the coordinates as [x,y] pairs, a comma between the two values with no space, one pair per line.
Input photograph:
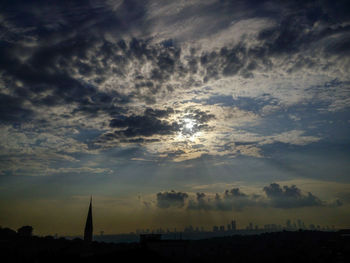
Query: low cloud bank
[274,195]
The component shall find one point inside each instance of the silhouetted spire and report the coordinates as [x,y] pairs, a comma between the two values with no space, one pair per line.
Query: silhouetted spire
[88,225]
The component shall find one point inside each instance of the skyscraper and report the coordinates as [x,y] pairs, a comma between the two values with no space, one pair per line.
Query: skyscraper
[88,225]
[233,224]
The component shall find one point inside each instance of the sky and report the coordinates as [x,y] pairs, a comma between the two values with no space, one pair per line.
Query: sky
[171,113]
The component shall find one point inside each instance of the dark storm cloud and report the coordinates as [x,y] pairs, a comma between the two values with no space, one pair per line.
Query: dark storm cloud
[145,125]
[154,122]
[63,36]
[285,197]
[290,197]
[63,53]
[43,82]
[54,20]
[158,113]
[340,45]
[234,199]
[66,39]
[171,199]
[47,70]
[47,75]
[200,203]
[293,33]
[12,110]
[233,193]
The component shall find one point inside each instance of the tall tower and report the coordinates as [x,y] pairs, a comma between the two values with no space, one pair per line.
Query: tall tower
[88,225]
[233,225]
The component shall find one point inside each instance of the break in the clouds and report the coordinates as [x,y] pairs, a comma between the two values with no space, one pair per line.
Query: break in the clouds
[173,93]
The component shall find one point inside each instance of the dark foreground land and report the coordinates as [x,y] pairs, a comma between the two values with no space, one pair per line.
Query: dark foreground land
[302,246]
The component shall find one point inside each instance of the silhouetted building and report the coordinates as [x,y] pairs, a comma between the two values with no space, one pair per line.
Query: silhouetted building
[88,225]
[233,224]
[288,223]
[300,224]
[250,226]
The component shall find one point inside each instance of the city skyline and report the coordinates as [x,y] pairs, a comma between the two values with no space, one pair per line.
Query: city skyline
[199,232]
[292,226]
[173,113]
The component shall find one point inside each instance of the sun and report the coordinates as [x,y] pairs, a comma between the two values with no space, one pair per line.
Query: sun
[189,131]
[189,124]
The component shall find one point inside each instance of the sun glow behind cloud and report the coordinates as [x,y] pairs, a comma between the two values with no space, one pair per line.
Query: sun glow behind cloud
[189,124]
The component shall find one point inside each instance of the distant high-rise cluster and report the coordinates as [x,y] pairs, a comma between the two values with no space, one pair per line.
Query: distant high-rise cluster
[232,228]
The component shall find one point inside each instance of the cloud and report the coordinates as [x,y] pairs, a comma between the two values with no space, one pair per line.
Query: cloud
[200,203]
[290,197]
[136,72]
[231,200]
[286,197]
[171,199]
[154,126]
[12,109]
[145,125]
[336,203]
[72,170]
